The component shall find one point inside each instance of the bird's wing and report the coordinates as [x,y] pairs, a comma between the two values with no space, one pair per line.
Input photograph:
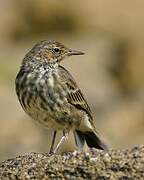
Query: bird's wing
[76,98]
[74,94]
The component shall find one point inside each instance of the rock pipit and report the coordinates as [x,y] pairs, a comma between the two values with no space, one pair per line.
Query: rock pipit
[49,94]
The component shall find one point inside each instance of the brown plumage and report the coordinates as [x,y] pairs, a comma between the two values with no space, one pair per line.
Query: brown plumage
[50,95]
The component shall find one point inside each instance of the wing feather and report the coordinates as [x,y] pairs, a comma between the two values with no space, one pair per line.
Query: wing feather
[74,96]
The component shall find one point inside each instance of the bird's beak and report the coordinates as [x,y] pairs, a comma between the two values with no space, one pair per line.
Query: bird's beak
[75,52]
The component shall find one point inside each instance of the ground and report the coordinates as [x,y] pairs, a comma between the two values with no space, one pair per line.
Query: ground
[91,164]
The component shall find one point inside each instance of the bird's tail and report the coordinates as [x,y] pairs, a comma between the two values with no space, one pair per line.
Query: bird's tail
[91,139]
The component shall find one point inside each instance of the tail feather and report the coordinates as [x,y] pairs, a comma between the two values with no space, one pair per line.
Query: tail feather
[91,139]
[79,139]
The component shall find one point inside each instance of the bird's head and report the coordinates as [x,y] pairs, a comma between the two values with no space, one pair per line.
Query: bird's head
[52,51]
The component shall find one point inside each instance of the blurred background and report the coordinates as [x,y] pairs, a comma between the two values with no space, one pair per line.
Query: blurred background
[110,74]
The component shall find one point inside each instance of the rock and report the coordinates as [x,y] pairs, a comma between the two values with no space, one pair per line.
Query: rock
[92,164]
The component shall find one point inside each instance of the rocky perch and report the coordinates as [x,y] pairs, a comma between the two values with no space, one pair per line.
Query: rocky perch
[92,164]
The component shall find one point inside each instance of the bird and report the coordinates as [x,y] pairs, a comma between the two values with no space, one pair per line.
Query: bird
[49,94]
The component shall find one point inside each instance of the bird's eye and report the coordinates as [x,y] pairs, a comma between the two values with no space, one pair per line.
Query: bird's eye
[56,49]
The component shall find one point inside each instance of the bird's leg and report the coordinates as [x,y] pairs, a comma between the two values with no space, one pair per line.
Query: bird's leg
[53,141]
[63,139]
